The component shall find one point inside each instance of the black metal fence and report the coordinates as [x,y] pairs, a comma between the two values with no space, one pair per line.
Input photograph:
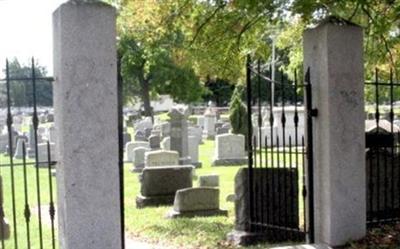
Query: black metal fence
[382,150]
[27,208]
[280,202]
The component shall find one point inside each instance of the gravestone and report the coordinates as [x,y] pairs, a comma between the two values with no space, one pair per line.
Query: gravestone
[209,181]
[154,141]
[229,150]
[222,130]
[129,147]
[165,129]
[201,201]
[126,138]
[179,133]
[139,136]
[51,134]
[210,118]
[218,124]
[147,132]
[139,158]
[42,118]
[166,143]
[159,184]
[4,226]
[383,184]
[193,145]
[50,117]
[31,150]
[381,135]
[43,155]
[197,132]
[200,122]
[161,158]
[144,124]
[155,133]
[19,150]
[276,186]
[3,142]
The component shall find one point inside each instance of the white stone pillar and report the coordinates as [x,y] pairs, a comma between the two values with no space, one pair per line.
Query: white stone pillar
[334,53]
[85,103]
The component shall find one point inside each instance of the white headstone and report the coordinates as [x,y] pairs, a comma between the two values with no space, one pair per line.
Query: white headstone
[229,150]
[138,155]
[161,158]
[129,147]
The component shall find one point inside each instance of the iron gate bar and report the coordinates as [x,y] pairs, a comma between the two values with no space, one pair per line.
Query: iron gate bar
[10,151]
[304,187]
[283,121]
[35,122]
[51,208]
[27,79]
[271,120]
[377,119]
[260,137]
[391,116]
[27,212]
[310,155]
[249,137]
[121,150]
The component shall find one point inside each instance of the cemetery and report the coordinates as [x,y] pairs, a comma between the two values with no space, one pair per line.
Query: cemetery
[205,124]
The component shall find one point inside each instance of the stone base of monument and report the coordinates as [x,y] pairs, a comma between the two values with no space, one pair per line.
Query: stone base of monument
[154,201]
[229,162]
[172,214]
[242,238]
[199,201]
[197,165]
[4,229]
[159,184]
[185,161]
[137,168]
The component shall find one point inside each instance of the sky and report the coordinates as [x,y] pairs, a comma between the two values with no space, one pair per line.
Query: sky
[26,31]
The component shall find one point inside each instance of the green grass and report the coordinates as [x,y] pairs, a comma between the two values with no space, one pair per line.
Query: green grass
[148,224]
[20,204]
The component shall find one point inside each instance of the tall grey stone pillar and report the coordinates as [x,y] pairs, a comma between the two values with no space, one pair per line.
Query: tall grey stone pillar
[334,53]
[179,134]
[85,103]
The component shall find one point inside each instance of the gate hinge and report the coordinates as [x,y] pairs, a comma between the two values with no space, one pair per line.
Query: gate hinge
[314,112]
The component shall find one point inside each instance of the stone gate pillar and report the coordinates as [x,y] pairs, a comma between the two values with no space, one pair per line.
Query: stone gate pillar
[334,53]
[85,103]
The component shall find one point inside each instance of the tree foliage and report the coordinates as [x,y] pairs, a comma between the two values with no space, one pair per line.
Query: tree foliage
[150,57]
[238,112]
[216,35]
[21,92]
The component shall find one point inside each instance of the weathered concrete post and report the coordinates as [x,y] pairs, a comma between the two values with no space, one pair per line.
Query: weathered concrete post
[334,53]
[85,102]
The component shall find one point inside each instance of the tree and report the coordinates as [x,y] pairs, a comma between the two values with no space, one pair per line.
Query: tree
[21,92]
[219,91]
[238,113]
[149,58]
[218,34]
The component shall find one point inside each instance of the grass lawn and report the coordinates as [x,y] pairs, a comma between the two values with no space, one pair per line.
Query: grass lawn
[147,224]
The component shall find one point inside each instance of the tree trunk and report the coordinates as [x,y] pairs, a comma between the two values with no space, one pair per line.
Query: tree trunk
[148,112]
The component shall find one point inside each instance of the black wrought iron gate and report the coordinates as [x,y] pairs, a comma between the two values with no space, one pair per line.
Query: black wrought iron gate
[280,155]
[27,183]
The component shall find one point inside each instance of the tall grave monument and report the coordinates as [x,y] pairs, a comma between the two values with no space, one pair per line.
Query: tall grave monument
[179,133]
